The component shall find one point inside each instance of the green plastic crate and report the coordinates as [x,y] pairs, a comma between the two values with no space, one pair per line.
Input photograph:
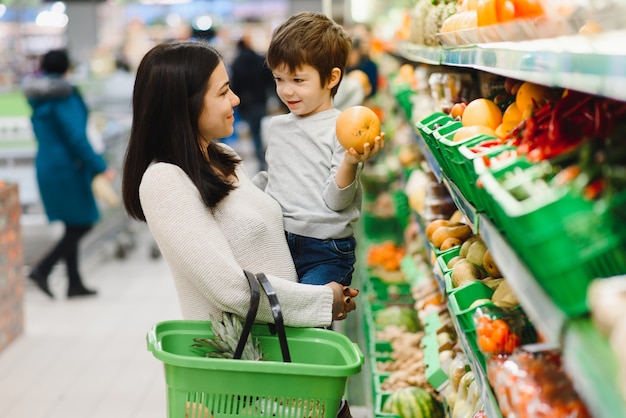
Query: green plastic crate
[445,257]
[378,229]
[454,159]
[381,292]
[467,175]
[427,128]
[493,208]
[311,385]
[461,300]
[565,240]
[448,129]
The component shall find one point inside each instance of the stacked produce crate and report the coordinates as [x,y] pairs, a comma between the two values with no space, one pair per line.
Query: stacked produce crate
[11,266]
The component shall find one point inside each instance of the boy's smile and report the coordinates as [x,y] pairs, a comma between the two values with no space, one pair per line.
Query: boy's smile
[302,90]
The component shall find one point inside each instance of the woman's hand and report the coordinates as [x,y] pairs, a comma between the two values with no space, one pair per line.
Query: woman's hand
[343,300]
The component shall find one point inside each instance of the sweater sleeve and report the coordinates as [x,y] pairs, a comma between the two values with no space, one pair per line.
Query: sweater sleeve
[207,269]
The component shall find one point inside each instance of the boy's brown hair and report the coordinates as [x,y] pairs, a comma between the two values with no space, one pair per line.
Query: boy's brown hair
[310,38]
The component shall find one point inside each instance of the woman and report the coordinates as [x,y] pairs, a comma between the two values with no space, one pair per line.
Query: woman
[65,164]
[208,219]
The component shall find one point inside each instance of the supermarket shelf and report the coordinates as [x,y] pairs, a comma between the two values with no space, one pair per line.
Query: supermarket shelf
[544,314]
[490,404]
[590,361]
[591,64]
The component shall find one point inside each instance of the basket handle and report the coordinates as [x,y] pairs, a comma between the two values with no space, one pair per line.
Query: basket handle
[255,295]
[279,326]
[278,315]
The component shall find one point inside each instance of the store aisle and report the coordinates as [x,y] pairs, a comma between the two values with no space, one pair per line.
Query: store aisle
[88,357]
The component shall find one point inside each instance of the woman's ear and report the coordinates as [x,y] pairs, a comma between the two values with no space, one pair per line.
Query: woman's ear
[335,76]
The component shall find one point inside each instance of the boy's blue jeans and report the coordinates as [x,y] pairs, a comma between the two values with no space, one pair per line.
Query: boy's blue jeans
[322,261]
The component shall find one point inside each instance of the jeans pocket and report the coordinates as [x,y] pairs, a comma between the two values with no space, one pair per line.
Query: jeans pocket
[345,246]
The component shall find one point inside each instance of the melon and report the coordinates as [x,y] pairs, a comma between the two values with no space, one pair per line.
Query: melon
[413,402]
[398,316]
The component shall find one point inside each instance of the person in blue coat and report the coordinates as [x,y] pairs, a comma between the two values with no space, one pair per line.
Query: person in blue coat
[65,165]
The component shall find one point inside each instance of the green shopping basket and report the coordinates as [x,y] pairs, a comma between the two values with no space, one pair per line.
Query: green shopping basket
[311,385]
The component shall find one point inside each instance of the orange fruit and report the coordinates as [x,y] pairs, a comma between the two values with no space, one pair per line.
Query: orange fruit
[486,12]
[504,128]
[530,94]
[505,10]
[512,114]
[356,126]
[466,132]
[482,111]
[528,8]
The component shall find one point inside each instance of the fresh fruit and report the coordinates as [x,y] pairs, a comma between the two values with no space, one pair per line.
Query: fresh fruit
[490,266]
[450,243]
[453,261]
[460,231]
[504,297]
[483,112]
[511,85]
[476,252]
[505,10]
[505,128]
[465,272]
[400,316]
[356,126]
[413,402]
[433,225]
[466,132]
[531,95]
[528,9]
[457,216]
[512,114]
[487,14]
[458,109]
[467,243]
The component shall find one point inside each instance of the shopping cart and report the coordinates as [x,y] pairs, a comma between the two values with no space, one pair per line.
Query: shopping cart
[307,381]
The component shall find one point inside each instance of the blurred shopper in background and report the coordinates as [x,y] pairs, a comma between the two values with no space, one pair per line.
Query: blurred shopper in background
[65,165]
[210,221]
[360,58]
[251,80]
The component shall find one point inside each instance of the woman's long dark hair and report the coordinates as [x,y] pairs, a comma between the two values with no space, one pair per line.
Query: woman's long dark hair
[170,85]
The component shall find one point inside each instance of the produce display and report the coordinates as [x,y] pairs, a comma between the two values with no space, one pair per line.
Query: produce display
[544,167]
[462,22]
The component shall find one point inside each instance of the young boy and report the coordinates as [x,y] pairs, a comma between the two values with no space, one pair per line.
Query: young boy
[313,178]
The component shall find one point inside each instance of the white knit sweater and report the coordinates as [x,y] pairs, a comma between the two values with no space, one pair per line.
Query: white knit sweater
[207,250]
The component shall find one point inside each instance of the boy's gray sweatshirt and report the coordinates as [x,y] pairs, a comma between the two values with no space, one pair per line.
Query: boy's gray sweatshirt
[303,155]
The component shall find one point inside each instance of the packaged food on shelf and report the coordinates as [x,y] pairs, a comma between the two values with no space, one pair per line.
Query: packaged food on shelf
[534,384]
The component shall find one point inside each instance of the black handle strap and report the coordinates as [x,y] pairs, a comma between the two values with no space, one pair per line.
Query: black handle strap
[278,315]
[255,295]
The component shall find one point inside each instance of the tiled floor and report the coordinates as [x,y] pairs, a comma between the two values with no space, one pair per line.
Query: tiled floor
[88,358]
